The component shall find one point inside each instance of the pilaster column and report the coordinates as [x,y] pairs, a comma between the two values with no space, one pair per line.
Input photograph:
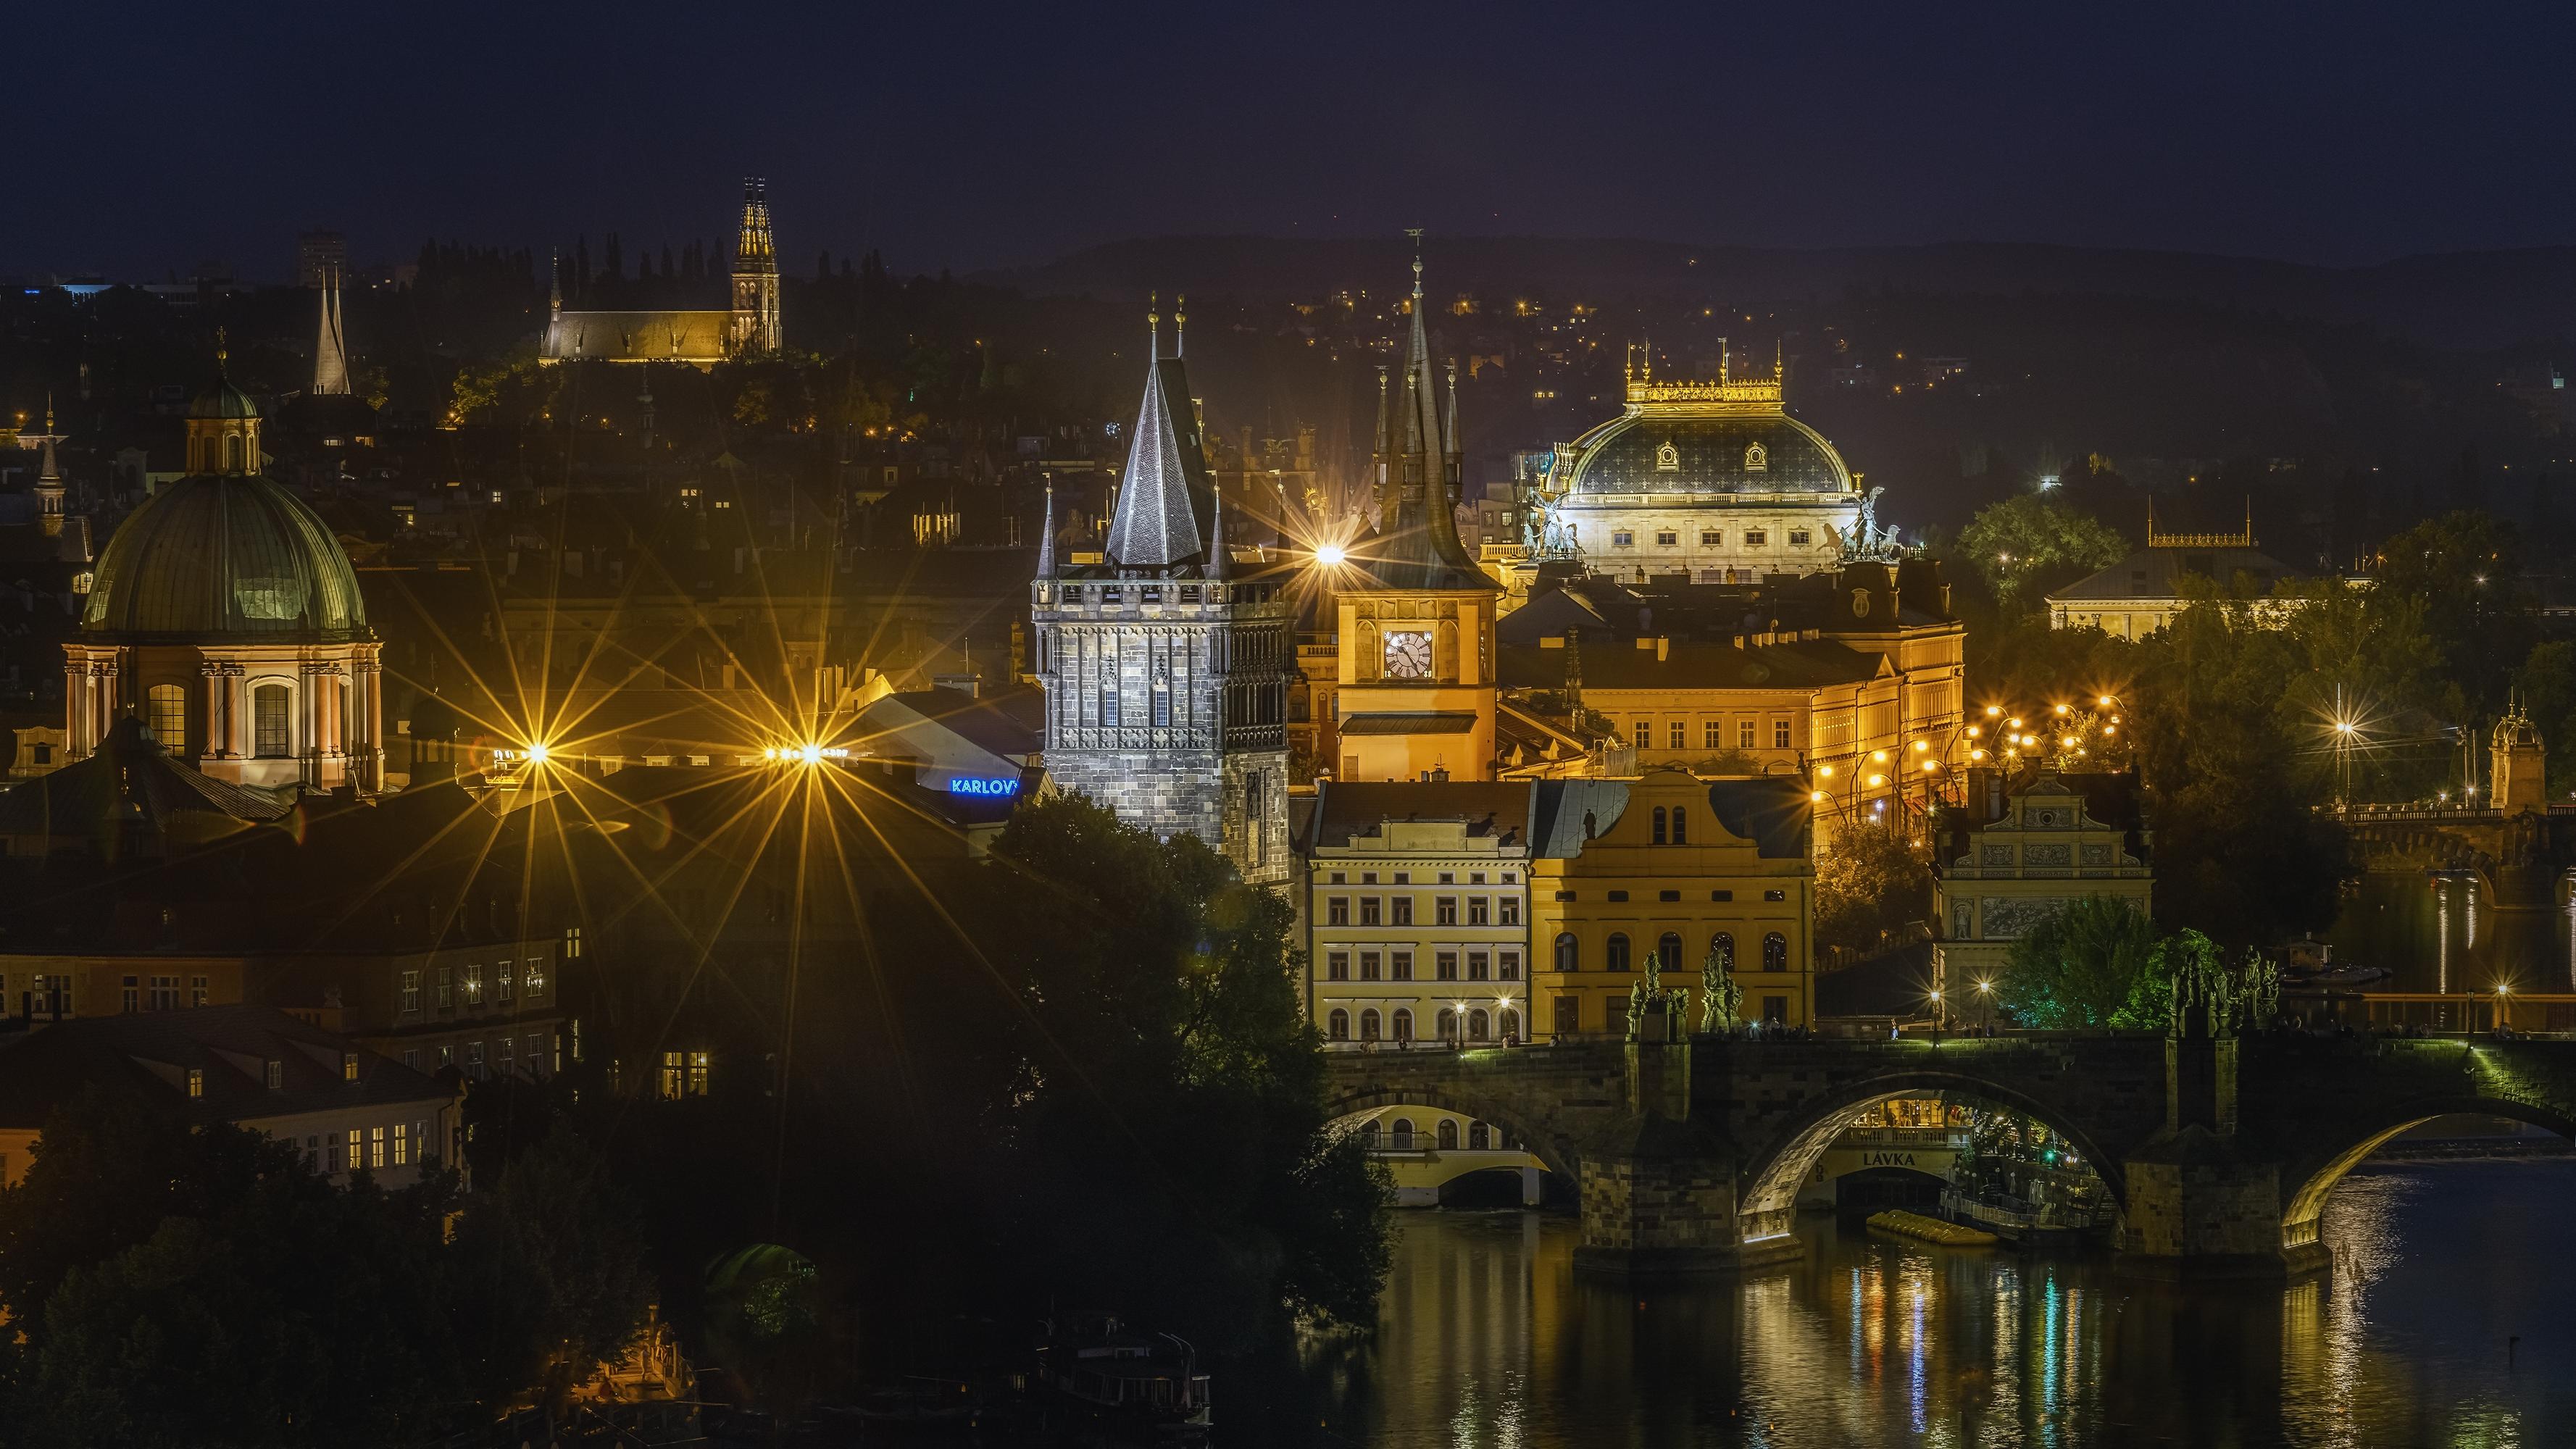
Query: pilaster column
[212,676]
[236,726]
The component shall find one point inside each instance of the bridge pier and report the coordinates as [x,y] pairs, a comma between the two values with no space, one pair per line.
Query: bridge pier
[2202,1205]
[1659,1199]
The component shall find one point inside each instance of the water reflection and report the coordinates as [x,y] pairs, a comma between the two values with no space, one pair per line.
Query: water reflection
[2448,933]
[1489,1339]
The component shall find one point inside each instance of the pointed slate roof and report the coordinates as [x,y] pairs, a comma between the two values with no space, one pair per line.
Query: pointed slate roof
[1419,548]
[1156,525]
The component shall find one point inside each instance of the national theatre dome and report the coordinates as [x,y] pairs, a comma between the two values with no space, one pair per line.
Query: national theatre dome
[1757,454]
[1709,480]
[225,557]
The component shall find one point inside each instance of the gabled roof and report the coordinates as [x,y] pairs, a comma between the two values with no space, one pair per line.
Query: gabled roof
[1773,812]
[2157,573]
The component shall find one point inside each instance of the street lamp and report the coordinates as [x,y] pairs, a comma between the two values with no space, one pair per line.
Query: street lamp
[1986,996]
[1938,1016]
[1330,555]
[2502,1023]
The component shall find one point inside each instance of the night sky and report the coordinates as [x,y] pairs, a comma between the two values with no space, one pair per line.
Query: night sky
[150,137]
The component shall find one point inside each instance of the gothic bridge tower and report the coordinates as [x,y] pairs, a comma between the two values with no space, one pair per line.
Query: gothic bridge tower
[1166,664]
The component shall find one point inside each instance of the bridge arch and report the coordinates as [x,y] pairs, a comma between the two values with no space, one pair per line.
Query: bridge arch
[2308,1182]
[1768,1181]
[1556,1155]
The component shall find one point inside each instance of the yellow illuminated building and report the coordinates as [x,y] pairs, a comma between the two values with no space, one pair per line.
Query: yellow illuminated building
[1676,865]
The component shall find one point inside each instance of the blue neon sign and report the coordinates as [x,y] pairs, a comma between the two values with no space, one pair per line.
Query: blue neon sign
[978,785]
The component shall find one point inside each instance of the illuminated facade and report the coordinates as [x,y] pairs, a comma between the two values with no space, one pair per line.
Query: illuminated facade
[1713,480]
[1415,683]
[1166,674]
[1852,678]
[1417,906]
[698,337]
[2020,850]
[1678,866]
[226,617]
[2142,593]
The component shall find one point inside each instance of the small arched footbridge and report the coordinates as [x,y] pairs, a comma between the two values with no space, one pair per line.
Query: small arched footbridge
[2219,1154]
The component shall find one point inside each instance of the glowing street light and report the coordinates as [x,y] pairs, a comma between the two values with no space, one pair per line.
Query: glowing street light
[1330,555]
[537,753]
[810,754]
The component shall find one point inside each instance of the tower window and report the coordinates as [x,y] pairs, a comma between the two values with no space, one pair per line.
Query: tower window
[1798,537]
[1709,537]
[1667,540]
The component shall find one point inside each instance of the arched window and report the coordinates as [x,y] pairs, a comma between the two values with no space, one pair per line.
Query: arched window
[1447,1023]
[1403,1024]
[1448,1134]
[1723,944]
[271,737]
[1368,1024]
[1511,1025]
[1479,1136]
[1659,825]
[1668,951]
[166,708]
[1618,953]
[1404,1134]
[1775,952]
[1569,956]
[232,453]
[1681,826]
[1338,1025]
[1477,1024]
[1368,1135]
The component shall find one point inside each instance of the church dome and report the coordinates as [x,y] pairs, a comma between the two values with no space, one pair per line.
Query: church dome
[1759,453]
[215,557]
[223,400]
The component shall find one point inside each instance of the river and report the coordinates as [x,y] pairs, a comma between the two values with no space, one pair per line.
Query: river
[1489,1339]
[2445,934]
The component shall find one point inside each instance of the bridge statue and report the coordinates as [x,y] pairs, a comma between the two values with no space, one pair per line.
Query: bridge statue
[2218,1148]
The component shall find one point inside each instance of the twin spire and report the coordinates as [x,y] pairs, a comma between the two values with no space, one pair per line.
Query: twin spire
[331,347]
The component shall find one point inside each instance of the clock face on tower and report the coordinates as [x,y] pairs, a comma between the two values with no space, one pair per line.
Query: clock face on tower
[1408,655]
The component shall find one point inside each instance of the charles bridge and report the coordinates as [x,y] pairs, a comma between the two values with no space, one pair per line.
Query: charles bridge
[2218,1153]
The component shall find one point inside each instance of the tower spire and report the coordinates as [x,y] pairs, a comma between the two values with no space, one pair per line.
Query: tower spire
[1220,559]
[1155,523]
[755,274]
[330,347]
[1046,533]
[1180,324]
[1153,326]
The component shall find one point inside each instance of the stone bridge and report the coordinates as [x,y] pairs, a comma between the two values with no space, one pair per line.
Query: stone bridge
[2218,1153]
[2520,856]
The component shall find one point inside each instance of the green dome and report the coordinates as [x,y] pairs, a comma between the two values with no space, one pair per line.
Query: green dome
[230,556]
[1760,453]
[223,400]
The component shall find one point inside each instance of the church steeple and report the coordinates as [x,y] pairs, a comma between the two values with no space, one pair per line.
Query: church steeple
[1419,469]
[49,479]
[1155,525]
[755,274]
[330,347]
[1046,534]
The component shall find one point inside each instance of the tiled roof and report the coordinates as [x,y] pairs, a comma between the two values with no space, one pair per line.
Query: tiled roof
[2157,574]
[231,1045]
[1343,811]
